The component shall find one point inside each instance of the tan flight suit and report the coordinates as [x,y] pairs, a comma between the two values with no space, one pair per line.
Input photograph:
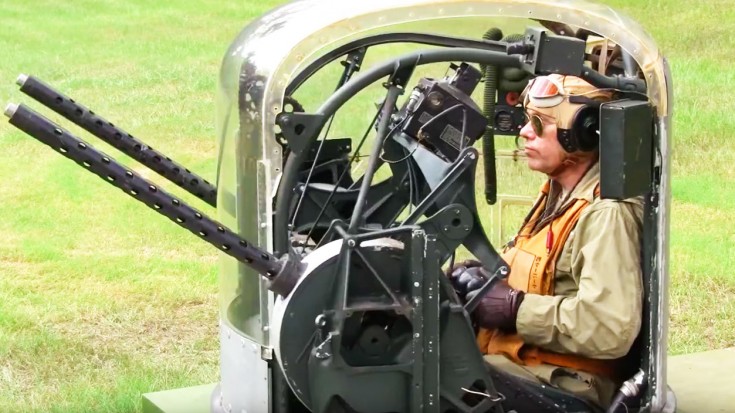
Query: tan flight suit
[595,307]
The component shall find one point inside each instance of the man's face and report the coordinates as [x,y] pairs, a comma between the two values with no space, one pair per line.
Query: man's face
[544,152]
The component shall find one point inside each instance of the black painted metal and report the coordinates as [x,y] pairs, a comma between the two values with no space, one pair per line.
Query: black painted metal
[458,186]
[120,139]
[614,82]
[461,165]
[394,92]
[433,357]
[144,191]
[385,201]
[418,383]
[297,128]
[352,64]
[345,93]
[451,226]
[428,354]
[336,199]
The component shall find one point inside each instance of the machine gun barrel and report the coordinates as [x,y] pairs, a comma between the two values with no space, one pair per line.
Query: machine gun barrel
[281,273]
[118,138]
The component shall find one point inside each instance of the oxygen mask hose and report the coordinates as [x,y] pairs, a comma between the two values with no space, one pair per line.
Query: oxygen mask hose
[488,107]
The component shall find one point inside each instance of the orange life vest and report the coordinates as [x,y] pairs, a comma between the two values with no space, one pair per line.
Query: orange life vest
[532,259]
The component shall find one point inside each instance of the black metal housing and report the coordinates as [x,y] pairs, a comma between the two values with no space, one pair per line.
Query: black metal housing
[445,118]
[553,54]
[626,148]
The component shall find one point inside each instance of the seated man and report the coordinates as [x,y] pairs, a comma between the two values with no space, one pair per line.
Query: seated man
[572,305]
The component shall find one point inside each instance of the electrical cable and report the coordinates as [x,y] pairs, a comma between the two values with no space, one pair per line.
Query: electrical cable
[339,180]
[311,171]
[438,115]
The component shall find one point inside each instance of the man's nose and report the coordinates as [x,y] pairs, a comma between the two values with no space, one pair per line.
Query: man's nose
[527,131]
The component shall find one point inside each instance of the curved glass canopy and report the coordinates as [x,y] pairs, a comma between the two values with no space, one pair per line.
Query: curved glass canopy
[266,56]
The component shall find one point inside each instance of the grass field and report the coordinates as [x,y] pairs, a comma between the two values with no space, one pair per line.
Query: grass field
[101,300]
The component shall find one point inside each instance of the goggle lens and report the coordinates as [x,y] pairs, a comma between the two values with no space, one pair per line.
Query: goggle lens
[544,92]
[537,124]
[544,87]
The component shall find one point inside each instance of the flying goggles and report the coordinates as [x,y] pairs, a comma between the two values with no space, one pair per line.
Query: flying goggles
[545,94]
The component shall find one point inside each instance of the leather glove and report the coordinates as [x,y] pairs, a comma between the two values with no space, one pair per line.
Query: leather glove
[462,274]
[499,307]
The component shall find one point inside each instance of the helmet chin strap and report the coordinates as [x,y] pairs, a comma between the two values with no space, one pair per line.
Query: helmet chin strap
[567,163]
[570,162]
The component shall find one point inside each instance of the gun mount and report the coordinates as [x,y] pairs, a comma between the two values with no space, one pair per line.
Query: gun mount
[357,250]
[336,315]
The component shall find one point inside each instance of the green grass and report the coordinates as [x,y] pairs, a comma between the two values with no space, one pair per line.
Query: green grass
[102,300]
[697,41]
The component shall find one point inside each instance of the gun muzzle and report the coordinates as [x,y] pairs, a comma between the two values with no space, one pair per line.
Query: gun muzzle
[282,274]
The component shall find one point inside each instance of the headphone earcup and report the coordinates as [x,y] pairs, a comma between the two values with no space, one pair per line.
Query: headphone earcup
[585,128]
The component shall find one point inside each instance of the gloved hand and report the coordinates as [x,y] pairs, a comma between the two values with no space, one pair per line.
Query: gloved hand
[461,276]
[499,307]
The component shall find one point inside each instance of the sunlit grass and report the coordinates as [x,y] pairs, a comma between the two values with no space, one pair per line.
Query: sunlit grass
[102,300]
